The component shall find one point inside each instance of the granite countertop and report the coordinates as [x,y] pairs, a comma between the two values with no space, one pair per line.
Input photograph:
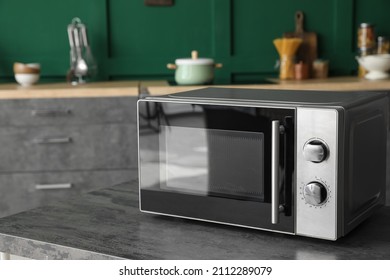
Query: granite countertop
[107,224]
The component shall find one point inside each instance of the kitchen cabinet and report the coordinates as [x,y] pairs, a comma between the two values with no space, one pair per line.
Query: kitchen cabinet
[64,111]
[23,191]
[60,144]
[51,148]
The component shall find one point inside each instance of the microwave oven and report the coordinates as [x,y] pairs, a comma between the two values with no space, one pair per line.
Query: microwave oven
[309,163]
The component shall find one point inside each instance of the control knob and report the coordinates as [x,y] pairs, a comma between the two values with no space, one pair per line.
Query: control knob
[315,193]
[315,151]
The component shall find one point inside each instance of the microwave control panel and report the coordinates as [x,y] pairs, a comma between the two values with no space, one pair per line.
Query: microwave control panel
[316,172]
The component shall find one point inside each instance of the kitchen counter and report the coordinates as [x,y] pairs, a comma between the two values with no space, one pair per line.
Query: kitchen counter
[107,224]
[131,88]
[65,90]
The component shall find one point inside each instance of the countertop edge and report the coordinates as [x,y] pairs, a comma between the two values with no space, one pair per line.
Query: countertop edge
[43,250]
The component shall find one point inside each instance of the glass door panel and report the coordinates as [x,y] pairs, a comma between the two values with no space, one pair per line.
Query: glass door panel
[214,163]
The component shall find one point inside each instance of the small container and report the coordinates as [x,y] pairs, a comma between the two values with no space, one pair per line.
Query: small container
[366,44]
[26,74]
[366,36]
[320,69]
[383,45]
[301,71]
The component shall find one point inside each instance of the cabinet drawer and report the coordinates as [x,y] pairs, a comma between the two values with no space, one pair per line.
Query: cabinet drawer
[24,191]
[49,148]
[67,111]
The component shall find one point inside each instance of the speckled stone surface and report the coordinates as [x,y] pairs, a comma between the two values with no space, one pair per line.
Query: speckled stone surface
[107,224]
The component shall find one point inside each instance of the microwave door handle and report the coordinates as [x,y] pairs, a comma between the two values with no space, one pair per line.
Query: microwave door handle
[275,206]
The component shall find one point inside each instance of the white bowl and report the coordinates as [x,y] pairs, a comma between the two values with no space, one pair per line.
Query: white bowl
[377,66]
[26,79]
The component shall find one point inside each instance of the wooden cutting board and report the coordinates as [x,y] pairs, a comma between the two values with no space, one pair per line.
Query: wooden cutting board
[307,52]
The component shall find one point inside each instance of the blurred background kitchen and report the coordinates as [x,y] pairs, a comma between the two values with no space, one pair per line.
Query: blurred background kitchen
[135,39]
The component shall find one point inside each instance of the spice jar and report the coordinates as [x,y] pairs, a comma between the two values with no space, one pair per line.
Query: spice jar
[366,43]
[366,36]
[383,45]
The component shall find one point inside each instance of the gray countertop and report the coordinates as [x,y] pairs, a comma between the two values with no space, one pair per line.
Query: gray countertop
[107,224]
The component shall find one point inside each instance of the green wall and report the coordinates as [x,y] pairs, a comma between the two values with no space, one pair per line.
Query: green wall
[133,41]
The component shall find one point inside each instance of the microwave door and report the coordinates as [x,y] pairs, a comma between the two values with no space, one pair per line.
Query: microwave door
[224,164]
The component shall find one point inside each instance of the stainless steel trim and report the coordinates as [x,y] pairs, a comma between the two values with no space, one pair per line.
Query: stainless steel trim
[52,140]
[51,112]
[217,222]
[317,221]
[275,172]
[53,186]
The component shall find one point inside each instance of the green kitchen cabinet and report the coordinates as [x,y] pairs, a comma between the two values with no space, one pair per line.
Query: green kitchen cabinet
[134,41]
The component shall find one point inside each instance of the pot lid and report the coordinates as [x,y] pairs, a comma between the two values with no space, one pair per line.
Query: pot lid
[194,60]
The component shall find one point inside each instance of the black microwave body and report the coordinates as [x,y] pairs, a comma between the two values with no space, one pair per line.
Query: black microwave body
[264,159]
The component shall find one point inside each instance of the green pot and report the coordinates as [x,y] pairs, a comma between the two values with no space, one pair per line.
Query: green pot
[194,71]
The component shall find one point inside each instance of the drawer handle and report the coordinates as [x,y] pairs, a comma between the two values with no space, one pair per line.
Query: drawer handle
[53,140]
[51,112]
[53,186]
